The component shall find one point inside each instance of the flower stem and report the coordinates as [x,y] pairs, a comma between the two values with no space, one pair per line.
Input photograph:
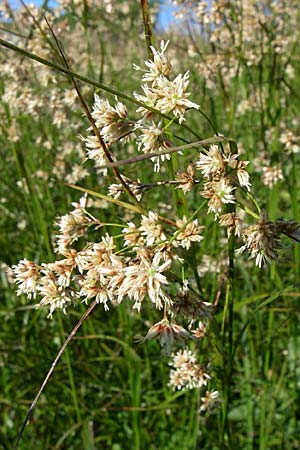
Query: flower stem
[227,343]
[147,27]
[228,361]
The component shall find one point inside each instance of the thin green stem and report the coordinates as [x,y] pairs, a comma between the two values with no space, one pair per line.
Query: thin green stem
[227,337]
[210,122]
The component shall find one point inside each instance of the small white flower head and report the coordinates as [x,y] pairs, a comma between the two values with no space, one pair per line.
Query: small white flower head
[183,357]
[145,278]
[290,141]
[210,401]
[271,175]
[172,96]
[149,99]
[116,190]
[78,173]
[99,255]
[151,229]
[155,279]
[131,234]
[232,222]
[167,96]
[112,121]
[63,269]
[219,192]
[54,295]
[211,163]
[160,65]
[71,227]
[92,287]
[223,190]
[188,374]
[190,233]
[95,152]
[242,175]
[153,140]
[26,274]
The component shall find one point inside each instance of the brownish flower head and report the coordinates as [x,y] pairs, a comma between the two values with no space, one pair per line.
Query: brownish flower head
[232,223]
[191,307]
[200,331]
[190,232]
[186,179]
[261,240]
[167,332]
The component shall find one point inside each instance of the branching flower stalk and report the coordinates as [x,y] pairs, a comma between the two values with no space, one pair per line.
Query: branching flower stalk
[153,258]
[98,271]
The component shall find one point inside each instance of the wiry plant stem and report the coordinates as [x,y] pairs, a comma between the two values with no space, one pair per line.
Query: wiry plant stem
[227,331]
[93,125]
[147,27]
[228,347]
[192,146]
[53,365]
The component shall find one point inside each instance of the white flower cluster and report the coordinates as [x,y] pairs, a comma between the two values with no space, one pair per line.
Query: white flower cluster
[262,240]
[187,372]
[164,94]
[223,170]
[99,271]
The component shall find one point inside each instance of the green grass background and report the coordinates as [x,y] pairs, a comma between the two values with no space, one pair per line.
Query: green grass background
[108,392]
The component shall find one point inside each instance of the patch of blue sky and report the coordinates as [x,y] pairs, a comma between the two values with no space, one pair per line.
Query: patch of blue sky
[165,15]
[17,3]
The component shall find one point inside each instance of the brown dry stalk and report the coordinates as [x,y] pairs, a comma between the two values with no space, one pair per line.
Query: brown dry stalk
[147,27]
[53,365]
[92,122]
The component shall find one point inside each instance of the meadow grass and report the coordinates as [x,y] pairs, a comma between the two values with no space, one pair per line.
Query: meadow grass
[108,391]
